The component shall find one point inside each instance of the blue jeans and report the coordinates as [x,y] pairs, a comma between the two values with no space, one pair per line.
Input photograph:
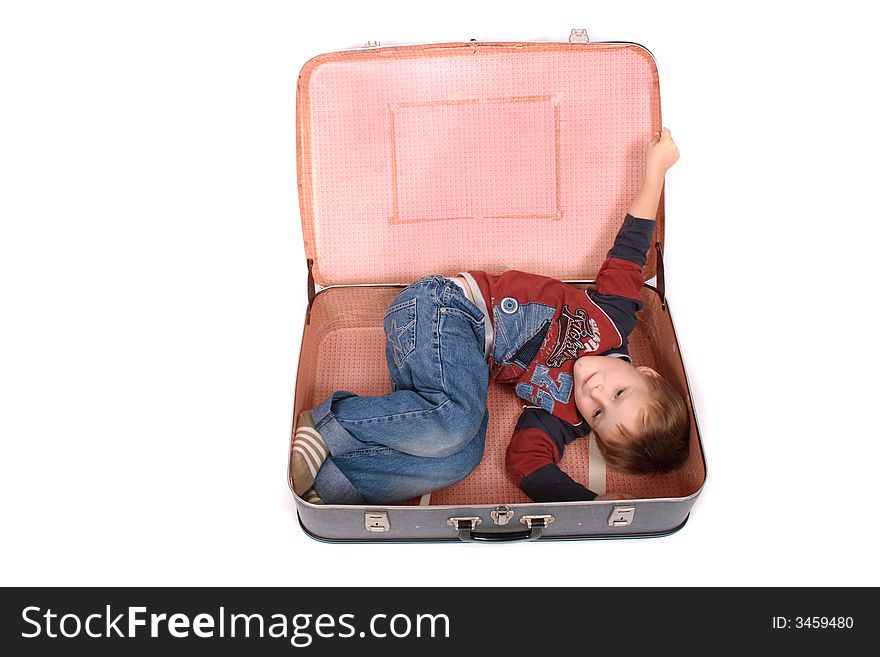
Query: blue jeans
[427,433]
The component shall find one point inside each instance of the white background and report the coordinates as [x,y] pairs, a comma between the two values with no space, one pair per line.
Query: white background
[152,291]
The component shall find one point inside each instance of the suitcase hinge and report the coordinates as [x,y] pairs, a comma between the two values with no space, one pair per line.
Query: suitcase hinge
[579,35]
[661,277]
[310,288]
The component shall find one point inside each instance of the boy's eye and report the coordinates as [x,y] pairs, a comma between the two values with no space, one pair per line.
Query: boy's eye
[618,393]
[597,413]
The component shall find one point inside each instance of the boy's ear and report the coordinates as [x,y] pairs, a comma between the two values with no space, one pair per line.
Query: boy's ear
[647,371]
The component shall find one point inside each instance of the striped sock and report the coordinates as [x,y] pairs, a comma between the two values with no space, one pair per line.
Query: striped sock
[309,452]
[311,497]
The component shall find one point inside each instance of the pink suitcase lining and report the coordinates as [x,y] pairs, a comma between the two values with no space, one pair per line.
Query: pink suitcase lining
[438,159]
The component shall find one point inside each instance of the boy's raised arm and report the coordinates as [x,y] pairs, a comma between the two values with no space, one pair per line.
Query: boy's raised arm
[621,273]
[661,154]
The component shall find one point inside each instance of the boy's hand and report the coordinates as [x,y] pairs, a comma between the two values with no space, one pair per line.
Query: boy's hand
[662,153]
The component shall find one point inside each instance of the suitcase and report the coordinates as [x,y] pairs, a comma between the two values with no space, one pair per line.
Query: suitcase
[442,158]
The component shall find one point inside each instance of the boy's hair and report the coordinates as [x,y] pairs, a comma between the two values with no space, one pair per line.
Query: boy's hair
[660,440]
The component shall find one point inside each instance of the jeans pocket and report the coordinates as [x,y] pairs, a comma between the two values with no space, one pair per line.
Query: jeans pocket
[400,330]
[477,322]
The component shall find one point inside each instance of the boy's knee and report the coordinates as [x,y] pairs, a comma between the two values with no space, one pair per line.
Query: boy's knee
[459,465]
[458,426]
[442,443]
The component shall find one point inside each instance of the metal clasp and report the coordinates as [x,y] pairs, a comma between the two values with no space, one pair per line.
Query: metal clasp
[579,35]
[621,516]
[541,521]
[502,515]
[376,521]
[458,522]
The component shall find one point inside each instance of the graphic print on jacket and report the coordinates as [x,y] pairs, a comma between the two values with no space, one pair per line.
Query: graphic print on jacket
[576,329]
[573,329]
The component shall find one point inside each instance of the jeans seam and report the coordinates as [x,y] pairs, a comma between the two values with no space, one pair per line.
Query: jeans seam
[500,337]
[366,451]
[320,423]
[439,346]
[395,416]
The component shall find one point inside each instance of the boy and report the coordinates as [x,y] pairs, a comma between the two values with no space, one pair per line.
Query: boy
[564,351]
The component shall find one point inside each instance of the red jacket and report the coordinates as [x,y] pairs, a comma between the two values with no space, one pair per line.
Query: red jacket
[541,327]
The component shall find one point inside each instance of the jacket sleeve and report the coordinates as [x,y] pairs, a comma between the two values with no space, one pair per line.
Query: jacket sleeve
[535,449]
[620,279]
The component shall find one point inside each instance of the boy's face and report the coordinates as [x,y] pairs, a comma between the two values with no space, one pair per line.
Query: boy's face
[610,392]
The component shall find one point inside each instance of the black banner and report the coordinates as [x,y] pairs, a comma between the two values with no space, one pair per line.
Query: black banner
[407,621]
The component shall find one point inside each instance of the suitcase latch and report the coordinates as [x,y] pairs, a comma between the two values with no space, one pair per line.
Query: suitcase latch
[622,516]
[464,523]
[502,515]
[540,521]
[578,35]
[376,521]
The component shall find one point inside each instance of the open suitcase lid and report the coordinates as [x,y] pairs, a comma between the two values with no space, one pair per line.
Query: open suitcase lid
[435,159]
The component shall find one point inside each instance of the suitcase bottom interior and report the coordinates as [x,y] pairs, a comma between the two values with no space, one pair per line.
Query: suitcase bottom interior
[344,348]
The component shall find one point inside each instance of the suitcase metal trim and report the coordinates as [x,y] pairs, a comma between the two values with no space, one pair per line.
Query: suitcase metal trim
[597,537]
